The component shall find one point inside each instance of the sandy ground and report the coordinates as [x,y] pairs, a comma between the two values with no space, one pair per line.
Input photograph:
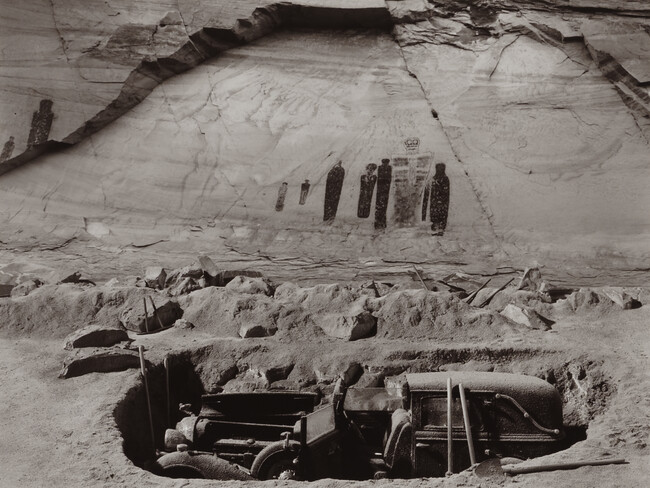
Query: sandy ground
[63,432]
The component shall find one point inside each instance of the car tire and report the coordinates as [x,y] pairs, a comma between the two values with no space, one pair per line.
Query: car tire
[276,461]
[192,464]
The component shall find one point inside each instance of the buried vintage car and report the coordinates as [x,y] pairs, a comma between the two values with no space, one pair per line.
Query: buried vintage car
[362,433]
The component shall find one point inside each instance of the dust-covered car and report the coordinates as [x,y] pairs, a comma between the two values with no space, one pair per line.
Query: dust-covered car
[370,432]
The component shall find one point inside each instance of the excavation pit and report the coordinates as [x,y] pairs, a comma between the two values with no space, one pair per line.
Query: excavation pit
[583,388]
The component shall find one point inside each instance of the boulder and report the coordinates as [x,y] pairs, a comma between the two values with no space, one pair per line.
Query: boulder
[155,277]
[526,316]
[349,327]
[183,287]
[209,269]
[95,336]
[167,313]
[99,362]
[618,296]
[248,330]
[25,288]
[531,280]
[183,324]
[245,284]
[68,277]
[226,276]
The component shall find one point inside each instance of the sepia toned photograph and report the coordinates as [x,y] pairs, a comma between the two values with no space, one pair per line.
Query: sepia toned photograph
[324,243]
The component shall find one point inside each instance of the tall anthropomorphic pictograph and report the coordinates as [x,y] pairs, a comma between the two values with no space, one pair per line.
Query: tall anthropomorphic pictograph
[384,178]
[367,188]
[439,199]
[333,187]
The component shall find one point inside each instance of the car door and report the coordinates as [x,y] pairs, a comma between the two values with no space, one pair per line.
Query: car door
[429,448]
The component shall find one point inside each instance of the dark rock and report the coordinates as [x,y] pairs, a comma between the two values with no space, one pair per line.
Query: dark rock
[257,330]
[95,336]
[100,362]
[5,290]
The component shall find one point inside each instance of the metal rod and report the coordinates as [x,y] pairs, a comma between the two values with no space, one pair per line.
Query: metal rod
[146,389]
[488,299]
[155,313]
[552,467]
[420,277]
[468,427]
[472,295]
[146,321]
[167,388]
[450,447]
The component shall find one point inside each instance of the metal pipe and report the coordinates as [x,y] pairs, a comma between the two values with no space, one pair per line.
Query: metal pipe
[155,313]
[146,321]
[450,446]
[167,388]
[468,427]
[146,389]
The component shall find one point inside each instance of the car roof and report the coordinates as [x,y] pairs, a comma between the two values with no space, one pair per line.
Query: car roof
[477,380]
[535,395]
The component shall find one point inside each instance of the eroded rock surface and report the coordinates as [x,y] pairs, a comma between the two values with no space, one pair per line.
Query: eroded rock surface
[545,104]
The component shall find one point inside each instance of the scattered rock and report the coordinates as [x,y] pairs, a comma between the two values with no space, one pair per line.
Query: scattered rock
[349,327]
[113,282]
[618,296]
[526,316]
[183,287]
[183,324]
[248,330]
[25,288]
[370,380]
[95,336]
[245,284]
[209,268]
[277,373]
[531,280]
[67,277]
[167,314]
[100,362]
[155,277]
[225,277]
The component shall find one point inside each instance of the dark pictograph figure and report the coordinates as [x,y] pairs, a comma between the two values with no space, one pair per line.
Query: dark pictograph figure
[368,181]
[41,124]
[384,178]
[333,187]
[8,149]
[304,191]
[439,195]
[282,193]
[425,202]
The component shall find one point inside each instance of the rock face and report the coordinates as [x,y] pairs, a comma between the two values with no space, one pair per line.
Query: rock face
[547,104]
[95,336]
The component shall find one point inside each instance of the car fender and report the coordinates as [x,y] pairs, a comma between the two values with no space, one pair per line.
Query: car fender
[208,465]
[399,440]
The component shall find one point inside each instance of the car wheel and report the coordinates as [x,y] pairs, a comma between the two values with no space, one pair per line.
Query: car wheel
[276,462]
